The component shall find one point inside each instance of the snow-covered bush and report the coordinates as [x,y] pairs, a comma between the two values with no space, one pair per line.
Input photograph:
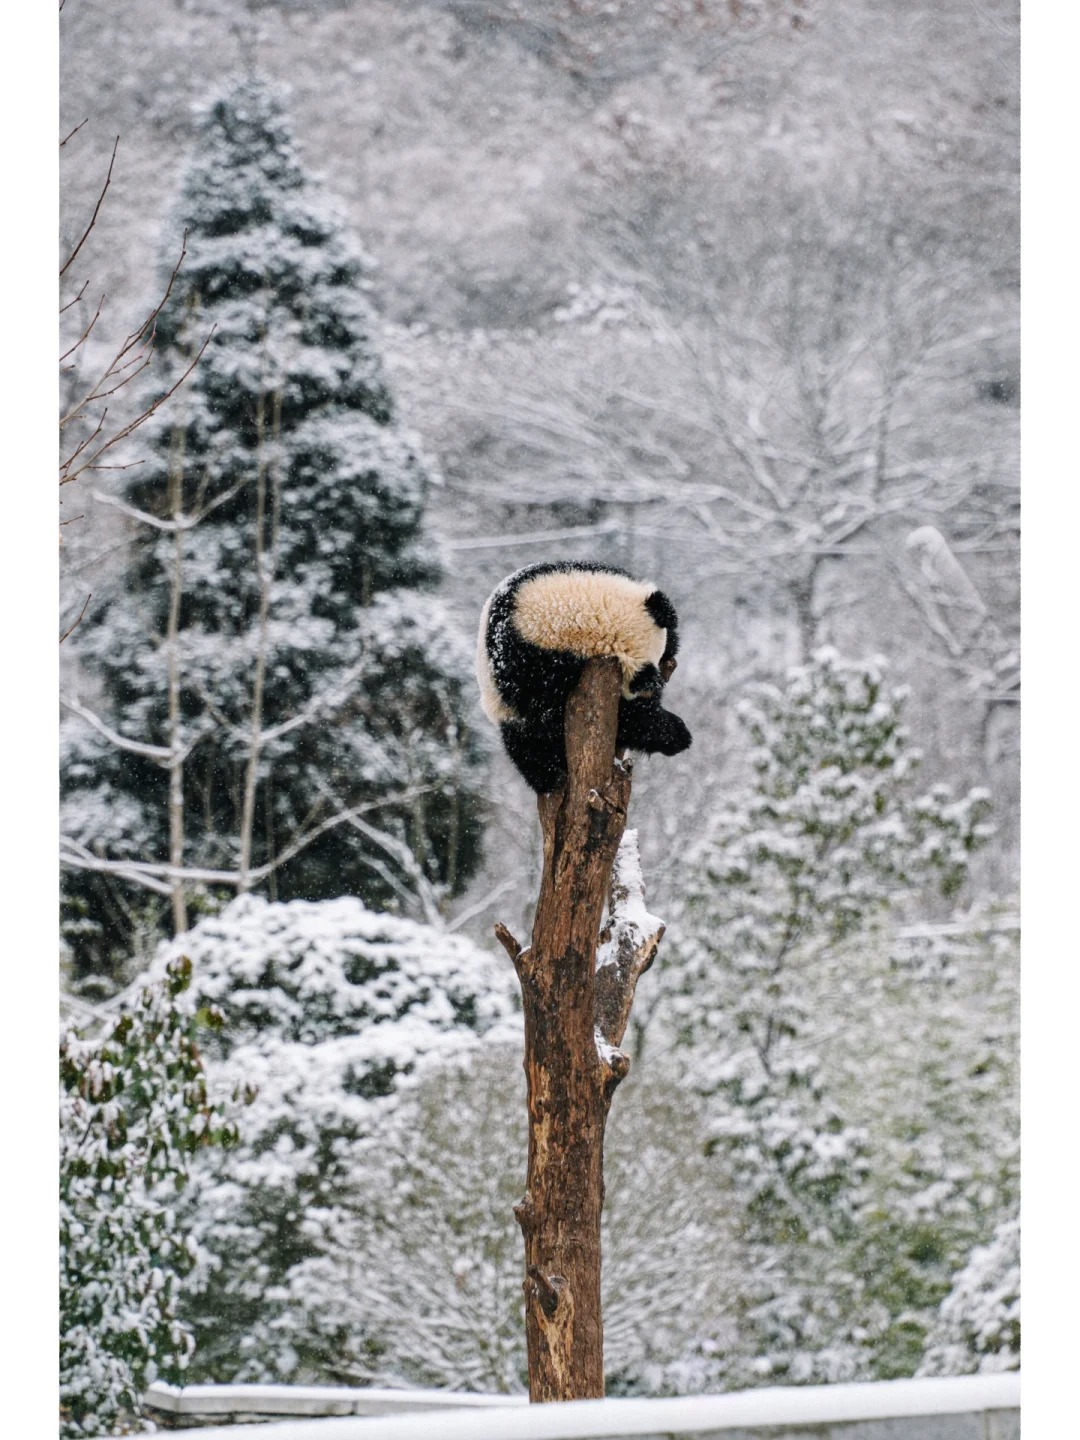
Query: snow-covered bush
[419,1282]
[332,1013]
[979,1324]
[133,1109]
[928,1059]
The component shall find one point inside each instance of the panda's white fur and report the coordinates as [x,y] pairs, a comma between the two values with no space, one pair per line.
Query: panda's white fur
[590,614]
[536,631]
[587,613]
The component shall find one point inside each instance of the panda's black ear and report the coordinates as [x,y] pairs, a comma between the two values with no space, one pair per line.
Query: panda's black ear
[662,611]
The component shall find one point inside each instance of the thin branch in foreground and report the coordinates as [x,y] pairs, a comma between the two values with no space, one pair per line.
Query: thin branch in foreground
[72,302]
[97,208]
[66,355]
[129,361]
[81,123]
[92,462]
[86,602]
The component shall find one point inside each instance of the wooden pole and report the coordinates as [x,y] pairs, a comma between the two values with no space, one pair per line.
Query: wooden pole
[573,1026]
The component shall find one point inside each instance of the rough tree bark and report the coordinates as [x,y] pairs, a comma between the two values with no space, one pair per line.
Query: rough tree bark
[576,1011]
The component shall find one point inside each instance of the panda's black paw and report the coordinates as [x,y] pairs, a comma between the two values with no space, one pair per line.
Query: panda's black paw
[670,735]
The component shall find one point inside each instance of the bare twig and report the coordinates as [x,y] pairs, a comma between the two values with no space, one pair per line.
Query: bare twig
[81,123]
[97,208]
[86,602]
[131,358]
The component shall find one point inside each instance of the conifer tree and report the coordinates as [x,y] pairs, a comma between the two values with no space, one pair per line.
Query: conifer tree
[830,833]
[283,704]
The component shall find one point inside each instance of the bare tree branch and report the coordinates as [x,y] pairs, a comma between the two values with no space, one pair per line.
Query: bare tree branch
[81,613]
[129,361]
[97,208]
[163,754]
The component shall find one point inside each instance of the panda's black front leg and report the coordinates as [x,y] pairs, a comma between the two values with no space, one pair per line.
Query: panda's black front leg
[647,681]
[645,725]
[538,752]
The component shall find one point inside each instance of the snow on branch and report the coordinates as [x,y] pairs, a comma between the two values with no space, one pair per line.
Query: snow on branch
[628,944]
[153,875]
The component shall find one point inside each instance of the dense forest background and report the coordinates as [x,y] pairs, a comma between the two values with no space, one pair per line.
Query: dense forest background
[727,295]
[625,267]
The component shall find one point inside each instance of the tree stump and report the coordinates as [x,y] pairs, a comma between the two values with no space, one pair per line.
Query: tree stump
[575,1018]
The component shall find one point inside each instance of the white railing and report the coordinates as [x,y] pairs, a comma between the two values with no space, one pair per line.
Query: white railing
[506,1417]
[311,1400]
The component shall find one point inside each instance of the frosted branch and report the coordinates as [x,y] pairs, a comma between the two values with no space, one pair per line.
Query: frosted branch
[161,753]
[628,945]
[156,876]
[181,523]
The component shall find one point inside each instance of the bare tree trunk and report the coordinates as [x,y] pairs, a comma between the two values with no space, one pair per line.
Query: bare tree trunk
[802,589]
[172,640]
[573,1024]
[266,565]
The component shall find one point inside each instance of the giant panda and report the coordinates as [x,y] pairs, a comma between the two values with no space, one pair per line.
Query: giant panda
[538,629]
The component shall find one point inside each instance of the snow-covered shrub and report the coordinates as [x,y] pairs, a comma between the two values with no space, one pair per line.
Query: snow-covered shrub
[424,1257]
[928,1057]
[979,1324]
[332,1013]
[133,1109]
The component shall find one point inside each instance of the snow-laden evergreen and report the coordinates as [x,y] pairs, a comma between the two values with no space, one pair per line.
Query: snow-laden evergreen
[331,1013]
[831,831]
[133,1108]
[284,700]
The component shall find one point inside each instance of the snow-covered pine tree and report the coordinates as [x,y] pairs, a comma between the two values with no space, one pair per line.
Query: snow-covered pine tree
[283,706]
[831,831]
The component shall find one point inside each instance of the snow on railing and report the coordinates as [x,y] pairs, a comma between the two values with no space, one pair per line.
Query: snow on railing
[320,1400]
[490,1417]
